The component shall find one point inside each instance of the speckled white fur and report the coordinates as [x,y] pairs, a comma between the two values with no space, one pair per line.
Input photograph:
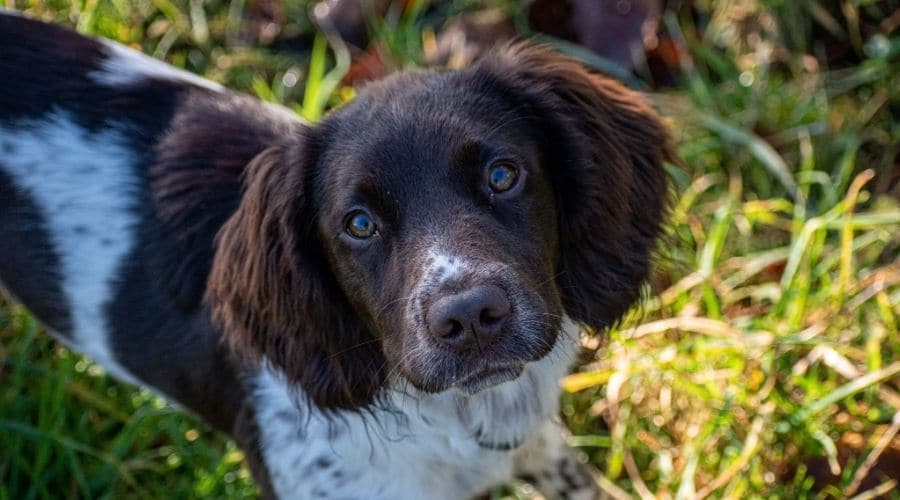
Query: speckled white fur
[444,266]
[84,186]
[439,267]
[414,445]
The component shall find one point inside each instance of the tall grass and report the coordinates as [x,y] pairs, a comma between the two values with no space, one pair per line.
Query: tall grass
[764,361]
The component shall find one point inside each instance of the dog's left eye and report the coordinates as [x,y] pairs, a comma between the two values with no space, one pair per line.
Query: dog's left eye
[360,225]
[502,176]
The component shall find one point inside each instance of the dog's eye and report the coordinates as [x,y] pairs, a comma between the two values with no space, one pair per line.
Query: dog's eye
[360,225]
[502,176]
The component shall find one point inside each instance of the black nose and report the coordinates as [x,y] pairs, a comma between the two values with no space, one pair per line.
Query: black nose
[472,318]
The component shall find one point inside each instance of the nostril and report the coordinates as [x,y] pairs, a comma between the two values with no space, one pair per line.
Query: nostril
[452,330]
[496,308]
[444,327]
[493,316]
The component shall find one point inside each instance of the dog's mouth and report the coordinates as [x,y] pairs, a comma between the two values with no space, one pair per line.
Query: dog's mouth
[433,365]
[488,377]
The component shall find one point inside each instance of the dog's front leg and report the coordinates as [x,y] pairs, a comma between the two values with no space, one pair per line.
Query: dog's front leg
[551,466]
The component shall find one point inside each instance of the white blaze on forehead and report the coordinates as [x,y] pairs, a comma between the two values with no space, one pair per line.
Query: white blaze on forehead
[443,266]
[439,266]
[125,66]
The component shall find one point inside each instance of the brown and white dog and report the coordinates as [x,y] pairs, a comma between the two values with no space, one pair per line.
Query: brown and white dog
[376,306]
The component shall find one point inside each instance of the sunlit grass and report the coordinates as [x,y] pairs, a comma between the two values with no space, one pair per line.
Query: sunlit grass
[764,358]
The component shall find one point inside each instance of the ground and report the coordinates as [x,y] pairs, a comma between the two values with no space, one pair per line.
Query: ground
[764,358]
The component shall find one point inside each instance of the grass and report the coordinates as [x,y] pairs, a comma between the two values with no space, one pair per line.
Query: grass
[764,361]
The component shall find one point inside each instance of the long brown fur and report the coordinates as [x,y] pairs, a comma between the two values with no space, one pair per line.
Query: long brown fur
[606,147]
[270,293]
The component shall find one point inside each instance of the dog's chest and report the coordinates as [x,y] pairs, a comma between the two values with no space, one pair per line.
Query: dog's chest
[381,455]
[439,446]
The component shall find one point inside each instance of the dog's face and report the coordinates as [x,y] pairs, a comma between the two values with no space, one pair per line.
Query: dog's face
[438,219]
[437,228]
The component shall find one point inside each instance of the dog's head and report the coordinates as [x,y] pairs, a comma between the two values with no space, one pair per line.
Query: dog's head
[437,228]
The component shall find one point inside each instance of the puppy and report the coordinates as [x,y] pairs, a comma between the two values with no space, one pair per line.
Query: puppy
[375,306]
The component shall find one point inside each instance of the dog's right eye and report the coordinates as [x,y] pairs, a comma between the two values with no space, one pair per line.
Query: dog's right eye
[360,225]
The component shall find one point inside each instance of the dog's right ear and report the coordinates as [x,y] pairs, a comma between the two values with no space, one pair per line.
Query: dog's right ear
[272,293]
[605,148]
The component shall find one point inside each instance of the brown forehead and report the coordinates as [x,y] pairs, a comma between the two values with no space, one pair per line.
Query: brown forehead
[414,137]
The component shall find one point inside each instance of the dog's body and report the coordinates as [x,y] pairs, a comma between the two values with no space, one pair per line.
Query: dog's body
[348,370]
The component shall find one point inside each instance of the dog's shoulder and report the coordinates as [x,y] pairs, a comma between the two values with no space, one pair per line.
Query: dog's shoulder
[183,141]
[196,179]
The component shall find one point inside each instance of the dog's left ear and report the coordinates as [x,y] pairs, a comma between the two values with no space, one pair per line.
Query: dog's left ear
[604,148]
[273,295]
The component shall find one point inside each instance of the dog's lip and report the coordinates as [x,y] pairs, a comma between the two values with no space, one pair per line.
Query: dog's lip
[488,377]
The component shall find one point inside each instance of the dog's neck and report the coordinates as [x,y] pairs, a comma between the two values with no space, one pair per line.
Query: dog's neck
[406,425]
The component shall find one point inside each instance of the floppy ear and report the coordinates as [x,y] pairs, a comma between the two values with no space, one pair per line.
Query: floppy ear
[272,292]
[604,148]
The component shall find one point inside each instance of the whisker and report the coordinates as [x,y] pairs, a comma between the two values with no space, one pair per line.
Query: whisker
[389,304]
[342,351]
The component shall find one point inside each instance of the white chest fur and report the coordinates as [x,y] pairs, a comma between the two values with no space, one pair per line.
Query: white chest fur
[415,446]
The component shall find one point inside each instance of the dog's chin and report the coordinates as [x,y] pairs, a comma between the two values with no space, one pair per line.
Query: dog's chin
[472,383]
[488,378]
[473,372]
[477,377]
